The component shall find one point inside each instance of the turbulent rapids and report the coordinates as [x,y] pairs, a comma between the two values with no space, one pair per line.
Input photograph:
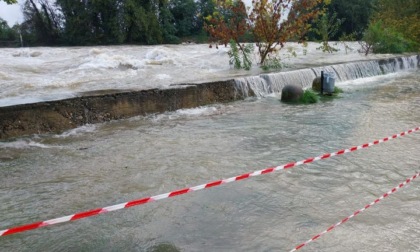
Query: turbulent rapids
[38,74]
[98,106]
[266,84]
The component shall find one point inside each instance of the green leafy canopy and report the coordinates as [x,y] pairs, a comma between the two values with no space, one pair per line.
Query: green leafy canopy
[10,1]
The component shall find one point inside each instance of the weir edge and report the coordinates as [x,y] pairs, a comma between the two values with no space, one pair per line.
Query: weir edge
[61,115]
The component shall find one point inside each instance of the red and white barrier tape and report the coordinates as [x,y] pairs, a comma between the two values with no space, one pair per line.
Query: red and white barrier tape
[357,212]
[142,201]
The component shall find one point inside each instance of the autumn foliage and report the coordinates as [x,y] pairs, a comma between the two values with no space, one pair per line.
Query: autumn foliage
[278,21]
[400,15]
[272,23]
[228,22]
[394,28]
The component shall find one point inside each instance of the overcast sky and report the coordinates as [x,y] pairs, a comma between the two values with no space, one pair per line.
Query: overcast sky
[13,13]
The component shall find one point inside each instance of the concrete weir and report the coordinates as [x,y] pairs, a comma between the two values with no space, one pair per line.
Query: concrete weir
[62,115]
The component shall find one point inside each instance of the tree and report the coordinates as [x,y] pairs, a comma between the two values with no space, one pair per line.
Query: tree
[141,22]
[115,21]
[8,36]
[4,29]
[41,24]
[92,22]
[394,28]
[105,23]
[228,22]
[275,22]
[403,16]
[381,39]
[10,1]
[167,23]
[272,23]
[205,8]
[77,23]
[185,17]
[355,15]
[326,27]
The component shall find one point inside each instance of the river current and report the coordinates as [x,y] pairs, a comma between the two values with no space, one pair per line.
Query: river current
[35,74]
[48,176]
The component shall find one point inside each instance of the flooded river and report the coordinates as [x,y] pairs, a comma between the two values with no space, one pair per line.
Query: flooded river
[49,176]
[37,74]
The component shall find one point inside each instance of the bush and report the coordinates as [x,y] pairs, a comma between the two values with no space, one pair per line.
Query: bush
[380,39]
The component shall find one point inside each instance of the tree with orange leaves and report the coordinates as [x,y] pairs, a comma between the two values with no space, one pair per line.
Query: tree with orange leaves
[272,22]
[228,25]
[278,21]
[228,22]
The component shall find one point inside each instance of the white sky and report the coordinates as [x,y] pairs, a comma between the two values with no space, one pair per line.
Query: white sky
[13,13]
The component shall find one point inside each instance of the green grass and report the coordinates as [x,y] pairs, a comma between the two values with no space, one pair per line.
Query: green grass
[337,90]
[309,97]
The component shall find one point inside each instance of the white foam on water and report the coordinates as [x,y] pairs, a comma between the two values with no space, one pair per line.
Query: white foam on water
[163,76]
[5,76]
[23,52]
[89,128]
[380,79]
[23,144]
[187,113]
[44,73]
[160,56]
[197,111]
[101,59]
[96,51]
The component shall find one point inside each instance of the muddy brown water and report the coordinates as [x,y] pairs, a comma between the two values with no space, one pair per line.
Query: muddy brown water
[48,176]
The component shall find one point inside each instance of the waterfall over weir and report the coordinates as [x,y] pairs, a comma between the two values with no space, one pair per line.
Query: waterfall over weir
[265,84]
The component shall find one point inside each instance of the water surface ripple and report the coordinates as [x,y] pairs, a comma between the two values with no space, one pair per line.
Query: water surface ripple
[44,177]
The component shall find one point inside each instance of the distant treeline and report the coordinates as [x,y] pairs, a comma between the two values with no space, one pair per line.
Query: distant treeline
[148,22]
[108,22]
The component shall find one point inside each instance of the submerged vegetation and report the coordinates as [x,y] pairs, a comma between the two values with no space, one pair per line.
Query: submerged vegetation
[327,27]
[243,59]
[338,90]
[309,97]
[273,63]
